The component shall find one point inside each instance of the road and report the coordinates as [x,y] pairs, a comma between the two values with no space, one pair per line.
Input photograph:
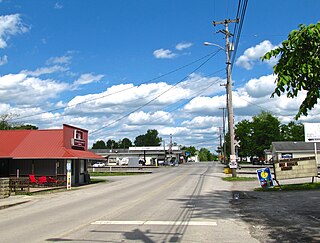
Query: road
[188,203]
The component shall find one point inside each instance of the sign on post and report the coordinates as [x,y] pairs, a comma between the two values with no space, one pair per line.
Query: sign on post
[233,162]
[68,174]
[265,177]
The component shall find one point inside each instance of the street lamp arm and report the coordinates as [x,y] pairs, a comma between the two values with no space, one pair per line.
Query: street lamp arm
[212,44]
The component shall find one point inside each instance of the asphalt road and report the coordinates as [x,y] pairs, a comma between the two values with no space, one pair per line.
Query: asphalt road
[189,203]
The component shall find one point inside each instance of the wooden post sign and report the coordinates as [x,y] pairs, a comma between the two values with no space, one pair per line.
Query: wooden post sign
[295,168]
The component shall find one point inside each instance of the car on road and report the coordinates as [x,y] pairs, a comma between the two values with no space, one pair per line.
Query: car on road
[98,164]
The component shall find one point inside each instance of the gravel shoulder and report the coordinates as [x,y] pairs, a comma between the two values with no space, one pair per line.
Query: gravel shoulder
[283,216]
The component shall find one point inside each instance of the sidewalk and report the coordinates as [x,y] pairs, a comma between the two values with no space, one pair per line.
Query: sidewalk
[14,200]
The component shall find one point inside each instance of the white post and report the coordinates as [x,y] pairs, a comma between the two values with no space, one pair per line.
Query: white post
[315,153]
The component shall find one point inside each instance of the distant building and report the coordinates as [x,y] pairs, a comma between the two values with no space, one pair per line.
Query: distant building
[46,153]
[288,150]
[152,155]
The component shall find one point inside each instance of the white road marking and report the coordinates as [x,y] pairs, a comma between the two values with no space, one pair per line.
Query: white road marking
[188,223]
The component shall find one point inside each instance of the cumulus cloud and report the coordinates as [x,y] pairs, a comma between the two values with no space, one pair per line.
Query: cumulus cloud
[23,90]
[183,45]
[10,25]
[260,87]
[252,55]
[163,54]
[155,118]
[3,60]
[202,122]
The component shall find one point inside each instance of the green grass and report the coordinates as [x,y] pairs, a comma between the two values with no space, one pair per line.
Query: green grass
[239,178]
[293,187]
[95,180]
[116,173]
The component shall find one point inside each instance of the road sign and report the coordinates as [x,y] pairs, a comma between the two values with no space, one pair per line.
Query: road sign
[265,177]
[312,132]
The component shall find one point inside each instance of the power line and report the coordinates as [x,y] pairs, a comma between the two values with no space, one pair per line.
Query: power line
[149,102]
[242,7]
[100,97]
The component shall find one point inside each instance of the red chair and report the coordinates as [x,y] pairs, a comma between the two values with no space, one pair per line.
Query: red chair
[33,180]
[42,180]
[52,181]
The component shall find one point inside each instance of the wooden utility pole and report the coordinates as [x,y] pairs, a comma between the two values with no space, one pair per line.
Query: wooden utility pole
[228,49]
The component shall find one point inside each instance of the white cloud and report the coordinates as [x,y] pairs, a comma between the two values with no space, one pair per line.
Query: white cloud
[156,118]
[260,87]
[3,60]
[10,25]
[252,55]
[45,70]
[87,78]
[20,89]
[202,122]
[58,5]
[183,45]
[163,54]
[182,131]
[66,59]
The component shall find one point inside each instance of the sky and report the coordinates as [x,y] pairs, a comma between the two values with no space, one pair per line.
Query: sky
[120,67]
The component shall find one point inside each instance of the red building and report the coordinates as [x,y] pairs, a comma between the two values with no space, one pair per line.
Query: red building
[46,153]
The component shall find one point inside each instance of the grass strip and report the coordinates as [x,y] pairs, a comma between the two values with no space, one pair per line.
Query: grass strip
[116,173]
[292,187]
[239,178]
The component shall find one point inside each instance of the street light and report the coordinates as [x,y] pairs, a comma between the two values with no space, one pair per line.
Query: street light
[206,43]
[228,49]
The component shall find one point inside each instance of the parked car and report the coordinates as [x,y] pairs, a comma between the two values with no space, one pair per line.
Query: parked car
[98,164]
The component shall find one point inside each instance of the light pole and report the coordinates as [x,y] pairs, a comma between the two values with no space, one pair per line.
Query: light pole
[228,49]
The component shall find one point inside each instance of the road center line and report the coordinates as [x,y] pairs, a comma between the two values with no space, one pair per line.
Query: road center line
[188,223]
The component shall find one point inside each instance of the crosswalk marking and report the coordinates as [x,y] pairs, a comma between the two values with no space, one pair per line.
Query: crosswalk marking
[188,223]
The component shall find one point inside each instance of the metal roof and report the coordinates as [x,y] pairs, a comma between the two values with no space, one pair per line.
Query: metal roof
[294,146]
[38,144]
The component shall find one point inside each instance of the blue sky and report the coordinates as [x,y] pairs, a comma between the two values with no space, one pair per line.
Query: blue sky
[118,68]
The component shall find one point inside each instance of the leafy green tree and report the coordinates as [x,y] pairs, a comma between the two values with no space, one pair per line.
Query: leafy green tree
[149,139]
[266,129]
[5,123]
[292,132]
[244,134]
[100,144]
[205,155]
[192,150]
[298,67]
[257,135]
[25,127]
[111,144]
[125,143]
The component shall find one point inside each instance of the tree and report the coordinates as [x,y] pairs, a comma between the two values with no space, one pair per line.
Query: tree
[244,134]
[256,136]
[205,155]
[292,132]
[149,139]
[111,144]
[192,150]
[100,144]
[125,143]
[266,129]
[25,127]
[5,123]
[298,67]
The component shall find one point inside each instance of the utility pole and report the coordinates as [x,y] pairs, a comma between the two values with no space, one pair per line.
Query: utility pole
[233,160]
